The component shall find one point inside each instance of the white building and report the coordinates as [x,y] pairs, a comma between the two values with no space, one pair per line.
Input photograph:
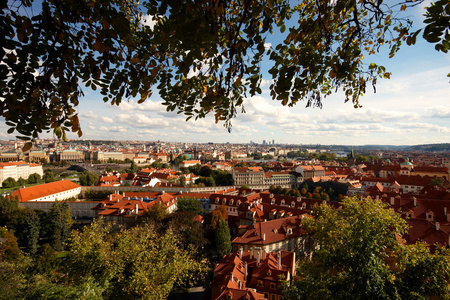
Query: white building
[58,190]
[19,169]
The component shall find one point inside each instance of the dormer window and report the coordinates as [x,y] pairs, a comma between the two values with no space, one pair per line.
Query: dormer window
[282,202]
[272,201]
[430,215]
[293,204]
[224,201]
[304,205]
[289,231]
[231,202]
[217,200]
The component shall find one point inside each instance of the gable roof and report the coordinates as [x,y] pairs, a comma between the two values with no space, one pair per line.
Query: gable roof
[42,190]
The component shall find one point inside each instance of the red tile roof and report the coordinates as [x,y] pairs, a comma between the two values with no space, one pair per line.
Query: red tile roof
[42,190]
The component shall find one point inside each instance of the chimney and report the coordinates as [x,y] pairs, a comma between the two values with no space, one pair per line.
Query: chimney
[136,209]
[392,201]
[378,197]
[279,259]
[240,252]
[293,264]
[264,236]
[246,269]
[415,201]
[231,275]
[110,197]
[438,226]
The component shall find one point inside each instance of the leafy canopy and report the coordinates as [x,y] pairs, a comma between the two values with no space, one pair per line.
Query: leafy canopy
[359,255]
[204,64]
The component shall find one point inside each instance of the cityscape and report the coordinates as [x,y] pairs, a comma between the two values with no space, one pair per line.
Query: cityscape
[242,209]
[225,150]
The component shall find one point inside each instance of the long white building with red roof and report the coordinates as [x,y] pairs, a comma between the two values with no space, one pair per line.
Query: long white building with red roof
[58,190]
[18,169]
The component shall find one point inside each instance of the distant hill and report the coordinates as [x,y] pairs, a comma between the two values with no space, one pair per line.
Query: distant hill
[430,148]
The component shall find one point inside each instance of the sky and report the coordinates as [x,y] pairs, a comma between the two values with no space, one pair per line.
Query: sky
[411,108]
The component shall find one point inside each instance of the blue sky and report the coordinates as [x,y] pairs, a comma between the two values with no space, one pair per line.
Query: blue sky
[411,108]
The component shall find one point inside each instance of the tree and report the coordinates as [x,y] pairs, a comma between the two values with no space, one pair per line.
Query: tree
[28,231]
[222,238]
[156,213]
[60,217]
[359,256]
[34,178]
[133,167]
[138,263]
[190,204]
[88,178]
[50,52]
[48,176]
[9,182]
[9,207]
[182,180]
[188,229]
[21,182]
[436,181]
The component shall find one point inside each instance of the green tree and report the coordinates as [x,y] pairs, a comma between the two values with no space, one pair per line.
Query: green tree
[9,182]
[190,204]
[156,213]
[436,181]
[28,231]
[49,51]
[359,256]
[21,182]
[182,180]
[88,178]
[34,178]
[60,217]
[133,167]
[47,261]
[9,207]
[222,238]
[179,159]
[188,229]
[112,261]
[48,176]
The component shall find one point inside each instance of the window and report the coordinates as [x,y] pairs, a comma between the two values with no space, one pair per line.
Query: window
[272,286]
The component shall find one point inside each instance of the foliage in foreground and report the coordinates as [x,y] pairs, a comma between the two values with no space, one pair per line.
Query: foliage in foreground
[139,262]
[205,64]
[360,256]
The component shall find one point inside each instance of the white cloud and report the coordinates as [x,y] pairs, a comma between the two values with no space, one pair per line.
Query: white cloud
[92,115]
[439,111]
[113,129]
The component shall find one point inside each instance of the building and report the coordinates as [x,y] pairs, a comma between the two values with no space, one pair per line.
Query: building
[273,235]
[248,175]
[58,190]
[247,271]
[19,169]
